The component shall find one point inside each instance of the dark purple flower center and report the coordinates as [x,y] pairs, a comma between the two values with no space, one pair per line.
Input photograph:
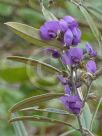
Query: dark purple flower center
[52,34]
[75,59]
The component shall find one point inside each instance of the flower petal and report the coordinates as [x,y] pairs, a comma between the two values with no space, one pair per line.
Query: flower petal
[91,66]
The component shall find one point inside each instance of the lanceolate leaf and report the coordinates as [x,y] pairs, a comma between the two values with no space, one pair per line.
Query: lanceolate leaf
[91,23]
[47,14]
[31,34]
[86,117]
[51,110]
[40,119]
[94,115]
[32,101]
[19,127]
[34,62]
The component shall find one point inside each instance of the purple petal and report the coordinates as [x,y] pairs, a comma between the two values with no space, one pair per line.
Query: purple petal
[44,33]
[62,79]
[77,35]
[91,66]
[66,58]
[64,101]
[72,56]
[49,30]
[76,52]
[72,99]
[75,111]
[68,37]
[63,25]
[52,26]
[71,21]
[90,50]
[72,103]
[67,89]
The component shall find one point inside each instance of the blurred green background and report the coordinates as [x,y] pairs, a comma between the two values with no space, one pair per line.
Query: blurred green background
[19,81]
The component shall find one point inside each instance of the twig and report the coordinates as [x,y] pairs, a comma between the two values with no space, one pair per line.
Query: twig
[87,92]
[81,129]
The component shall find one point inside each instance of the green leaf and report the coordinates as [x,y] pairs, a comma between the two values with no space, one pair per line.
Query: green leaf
[47,14]
[51,110]
[34,100]
[19,127]
[91,23]
[31,34]
[95,113]
[40,119]
[86,117]
[34,62]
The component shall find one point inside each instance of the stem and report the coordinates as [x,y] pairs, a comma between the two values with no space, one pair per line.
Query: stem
[81,129]
[87,92]
[74,89]
[72,80]
[81,2]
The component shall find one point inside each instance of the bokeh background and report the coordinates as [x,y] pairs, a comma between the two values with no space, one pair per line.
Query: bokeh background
[19,81]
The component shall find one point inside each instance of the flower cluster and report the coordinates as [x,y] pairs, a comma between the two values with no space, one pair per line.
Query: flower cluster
[66,30]
[66,27]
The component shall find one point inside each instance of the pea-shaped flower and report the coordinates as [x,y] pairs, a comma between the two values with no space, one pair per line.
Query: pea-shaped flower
[49,30]
[65,84]
[76,36]
[90,50]
[73,103]
[91,66]
[73,56]
[68,37]
[71,21]
[63,25]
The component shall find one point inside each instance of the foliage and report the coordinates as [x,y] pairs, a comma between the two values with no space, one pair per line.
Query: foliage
[13,75]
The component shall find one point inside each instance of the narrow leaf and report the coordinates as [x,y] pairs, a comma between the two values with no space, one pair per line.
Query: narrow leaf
[34,100]
[19,127]
[95,113]
[40,119]
[31,34]
[47,14]
[91,23]
[51,110]
[34,62]
[86,117]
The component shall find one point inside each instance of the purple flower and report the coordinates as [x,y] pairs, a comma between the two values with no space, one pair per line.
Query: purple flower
[63,25]
[72,103]
[67,89]
[76,36]
[73,56]
[71,21]
[91,66]
[68,37]
[49,30]
[65,84]
[62,79]
[54,52]
[90,50]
